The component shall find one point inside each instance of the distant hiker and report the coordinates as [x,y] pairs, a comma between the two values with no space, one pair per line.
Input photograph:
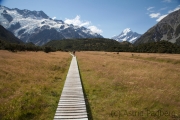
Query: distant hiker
[74,53]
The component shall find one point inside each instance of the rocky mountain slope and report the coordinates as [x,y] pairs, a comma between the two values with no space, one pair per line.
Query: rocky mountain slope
[167,29]
[7,36]
[37,27]
[127,35]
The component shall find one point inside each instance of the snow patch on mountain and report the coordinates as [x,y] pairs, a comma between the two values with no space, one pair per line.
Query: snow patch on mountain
[127,35]
[127,30]
[32,26]
[78,22]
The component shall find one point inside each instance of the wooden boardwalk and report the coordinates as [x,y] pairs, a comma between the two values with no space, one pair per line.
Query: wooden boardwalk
[72,104]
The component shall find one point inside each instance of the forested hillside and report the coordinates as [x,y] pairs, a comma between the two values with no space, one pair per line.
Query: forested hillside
[89,44]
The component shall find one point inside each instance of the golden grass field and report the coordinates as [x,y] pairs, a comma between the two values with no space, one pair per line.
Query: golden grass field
[31,84]
[123,86]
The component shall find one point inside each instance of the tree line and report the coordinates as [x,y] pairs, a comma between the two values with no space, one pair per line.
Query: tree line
[157,47]
[94,44]
[14,47]
[109,45]
[89,44]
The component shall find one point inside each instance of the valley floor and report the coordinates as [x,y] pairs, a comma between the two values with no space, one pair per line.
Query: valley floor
[134,86]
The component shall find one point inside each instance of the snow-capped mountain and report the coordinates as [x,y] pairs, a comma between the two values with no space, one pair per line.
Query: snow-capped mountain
[37,27]
[127,35]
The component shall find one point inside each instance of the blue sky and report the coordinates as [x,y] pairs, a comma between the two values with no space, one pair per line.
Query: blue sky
[107,17]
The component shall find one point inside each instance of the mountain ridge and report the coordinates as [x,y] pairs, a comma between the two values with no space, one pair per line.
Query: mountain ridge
[167,29]
[7,36]
[34,26]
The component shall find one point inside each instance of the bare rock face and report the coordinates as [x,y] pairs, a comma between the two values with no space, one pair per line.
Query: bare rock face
[167,29]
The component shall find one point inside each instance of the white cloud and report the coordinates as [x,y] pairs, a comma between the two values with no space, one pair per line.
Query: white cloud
[54,18]
[149,8]
[95,29]
[154,15]
[170,11]
[161,17]
[177,8]
[78,22]
[168,1]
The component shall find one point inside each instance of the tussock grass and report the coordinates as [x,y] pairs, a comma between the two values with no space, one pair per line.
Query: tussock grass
[167,58]
[31,84]
[138,87]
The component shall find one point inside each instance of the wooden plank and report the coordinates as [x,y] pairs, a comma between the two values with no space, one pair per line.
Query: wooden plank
[71,100]
[71,114]
[72,93]
[71,117]
[71,103]
[70,111]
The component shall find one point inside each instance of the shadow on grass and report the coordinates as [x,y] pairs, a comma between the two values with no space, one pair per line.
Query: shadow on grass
[90,117]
